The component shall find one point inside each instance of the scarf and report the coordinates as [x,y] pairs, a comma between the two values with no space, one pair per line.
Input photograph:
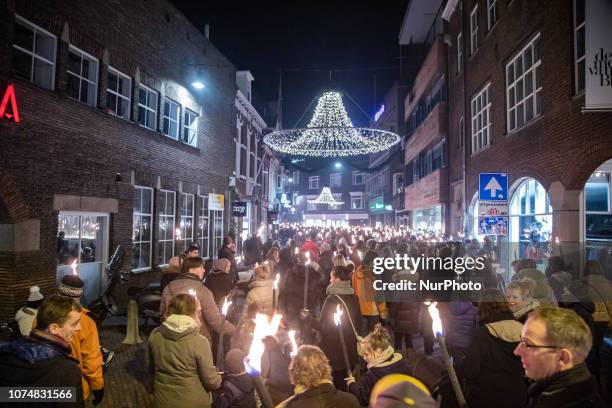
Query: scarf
[180,323]
[340,288]
[526,308]
[386,355]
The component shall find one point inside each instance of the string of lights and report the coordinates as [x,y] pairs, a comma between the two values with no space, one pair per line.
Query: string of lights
[326,197]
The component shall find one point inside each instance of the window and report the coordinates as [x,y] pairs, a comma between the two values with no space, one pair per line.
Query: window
[481,120]
[186,222]
[118,94]
[34,53]
[491,13]
[356,201]
[203,231]
[597,192]
[190,128]
[398,183]
[141,233]
[165,219]
[524,85]
[579,45]
[313,182]
[242,153]
[170,118]
[474,30]
[459,51]
[217,231]
[357,178]
[461,133]
[296,177]
[82,76]
[252,156]
[335,180]
[147,107]
[311,206]
[437,157]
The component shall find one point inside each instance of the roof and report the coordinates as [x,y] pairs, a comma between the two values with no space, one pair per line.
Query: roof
[419,17]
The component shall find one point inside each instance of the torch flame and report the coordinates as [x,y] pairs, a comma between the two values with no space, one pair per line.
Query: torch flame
[436,322]
[296,250]
[294,346]
[74,267]
[263,327]
[276,279]
[557,240]
[338,315]
[225,306]
[178,233]
[192,292]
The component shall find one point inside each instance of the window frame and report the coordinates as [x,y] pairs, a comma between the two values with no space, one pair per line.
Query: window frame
[461,133]
[153,112]
[533,70]
[161,217]
[474,30]
[356,174]
[310,182]
[459,51]
[120,75]
[477,131]
[185,127]
[203,204]
[76,50]
[578,60]
[140,214]
[335,176]
[491,5]
[31,26]
[165,118]
[182,243]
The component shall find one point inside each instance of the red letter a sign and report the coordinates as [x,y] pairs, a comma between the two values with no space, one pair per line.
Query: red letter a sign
[9,95]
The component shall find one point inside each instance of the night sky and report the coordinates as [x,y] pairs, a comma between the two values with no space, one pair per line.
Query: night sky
[307,39]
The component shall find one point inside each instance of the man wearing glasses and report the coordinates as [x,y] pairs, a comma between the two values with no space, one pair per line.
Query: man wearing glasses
[554,344]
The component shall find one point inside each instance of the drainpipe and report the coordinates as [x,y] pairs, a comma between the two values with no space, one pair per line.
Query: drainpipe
[465,119]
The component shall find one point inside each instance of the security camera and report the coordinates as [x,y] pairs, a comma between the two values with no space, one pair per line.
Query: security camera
[118,178]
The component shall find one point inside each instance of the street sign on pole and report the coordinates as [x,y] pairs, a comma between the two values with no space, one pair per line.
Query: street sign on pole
[492,208]
[493,225]
[493,187]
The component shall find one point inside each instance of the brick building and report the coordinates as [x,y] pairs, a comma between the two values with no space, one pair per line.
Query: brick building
[516,98]
[117,143]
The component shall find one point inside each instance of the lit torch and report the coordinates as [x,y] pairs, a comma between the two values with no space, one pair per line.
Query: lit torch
[436,326]
[220,348]
[274,290]
[177,232]
[338,322]
[306,271]
[558,242]
[74,268]
[252,363]
[294,346]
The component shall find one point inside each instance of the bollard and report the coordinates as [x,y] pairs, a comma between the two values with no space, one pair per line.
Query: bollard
[133,320]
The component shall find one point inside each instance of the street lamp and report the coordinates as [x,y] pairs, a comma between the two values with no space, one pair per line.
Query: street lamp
[197,84]
[338,165]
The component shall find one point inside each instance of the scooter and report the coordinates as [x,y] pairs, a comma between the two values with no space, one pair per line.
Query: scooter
[106,303]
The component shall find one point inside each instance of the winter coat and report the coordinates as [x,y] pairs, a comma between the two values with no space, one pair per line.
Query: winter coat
[405,317]
[311,247]
[41,360]
[522,313]
[543,292]
[494,375]
[85,346]
[394,364]
[183,363]
[321,396]
[459,322]
[252,250]
[237,392]
[210,317]
[291,295]
[25,317]
[363,284]
[220,284]
[600,292]
[275,367]
[330,341]
[573,388]
[261,294]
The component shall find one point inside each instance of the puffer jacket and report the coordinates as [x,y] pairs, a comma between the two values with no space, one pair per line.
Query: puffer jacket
[183,364]
[261,294]
[210,318]
[237,392]
[459,322]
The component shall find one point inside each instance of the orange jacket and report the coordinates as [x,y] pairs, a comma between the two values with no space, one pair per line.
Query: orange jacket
[86,349]
[363,284]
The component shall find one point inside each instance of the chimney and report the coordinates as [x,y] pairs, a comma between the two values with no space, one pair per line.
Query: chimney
[207,31]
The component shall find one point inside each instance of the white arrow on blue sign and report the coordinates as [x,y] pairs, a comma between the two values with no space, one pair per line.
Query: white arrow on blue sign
[493,187]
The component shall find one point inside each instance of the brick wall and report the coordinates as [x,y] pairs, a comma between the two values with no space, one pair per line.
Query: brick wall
[64,147]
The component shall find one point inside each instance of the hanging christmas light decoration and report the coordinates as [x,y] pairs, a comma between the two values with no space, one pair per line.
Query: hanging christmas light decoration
[330,133]
[326,197]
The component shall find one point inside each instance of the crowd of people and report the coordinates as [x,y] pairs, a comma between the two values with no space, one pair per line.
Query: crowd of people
[537,341]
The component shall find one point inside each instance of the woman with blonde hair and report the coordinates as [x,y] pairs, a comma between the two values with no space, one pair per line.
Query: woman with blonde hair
[310,373]
[261,291]
[520,295]
[382,360]
[182,358]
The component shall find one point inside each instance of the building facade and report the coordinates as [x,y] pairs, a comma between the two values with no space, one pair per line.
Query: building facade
[124,137]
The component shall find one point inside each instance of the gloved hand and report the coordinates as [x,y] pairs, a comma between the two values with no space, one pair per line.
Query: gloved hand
[98,396]
[350,380]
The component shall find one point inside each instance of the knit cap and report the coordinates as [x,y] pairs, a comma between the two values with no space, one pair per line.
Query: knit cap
[234,361]
[71,286]
[35,294]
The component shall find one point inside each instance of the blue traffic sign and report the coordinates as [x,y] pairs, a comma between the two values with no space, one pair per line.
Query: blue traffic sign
[493,187]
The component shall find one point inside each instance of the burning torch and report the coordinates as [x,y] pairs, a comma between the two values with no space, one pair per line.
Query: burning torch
[220,348]
[338,322]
